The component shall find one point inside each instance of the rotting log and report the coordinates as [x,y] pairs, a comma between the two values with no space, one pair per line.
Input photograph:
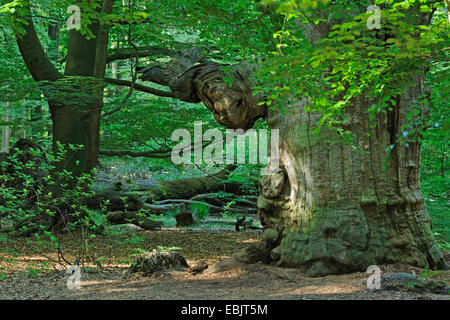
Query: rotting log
[146,194]
[210,206]
[121,217]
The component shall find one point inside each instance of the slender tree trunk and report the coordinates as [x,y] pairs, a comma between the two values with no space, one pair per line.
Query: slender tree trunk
[53,30]
[6,130]
[36,119]
[77,126]
[115,68]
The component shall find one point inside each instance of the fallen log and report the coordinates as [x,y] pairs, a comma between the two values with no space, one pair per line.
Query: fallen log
[120,217]
[163,208]
[222,199]
[234,209]
[120,196]
[243,222]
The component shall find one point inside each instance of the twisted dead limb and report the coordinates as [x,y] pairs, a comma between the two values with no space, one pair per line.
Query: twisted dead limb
[226,90]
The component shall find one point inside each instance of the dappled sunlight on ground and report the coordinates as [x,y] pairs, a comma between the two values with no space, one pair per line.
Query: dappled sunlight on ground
[119,251]
[31,275]
[325,289]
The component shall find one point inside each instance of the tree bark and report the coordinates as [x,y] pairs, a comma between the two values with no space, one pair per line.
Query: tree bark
[340,211]
[224,89]
[138,195]
[32,52]
[79,122]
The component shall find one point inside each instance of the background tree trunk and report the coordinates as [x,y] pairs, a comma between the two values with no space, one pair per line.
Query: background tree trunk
[340,210]
[76,125]
[75,103]
[6,130]
[80,123]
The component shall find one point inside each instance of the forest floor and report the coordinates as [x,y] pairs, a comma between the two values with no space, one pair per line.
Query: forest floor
[29,269]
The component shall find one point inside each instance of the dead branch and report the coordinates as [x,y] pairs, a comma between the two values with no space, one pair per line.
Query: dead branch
[139,87]
[234,209]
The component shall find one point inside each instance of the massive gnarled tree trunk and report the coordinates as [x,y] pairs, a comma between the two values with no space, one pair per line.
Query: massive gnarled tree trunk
[334,210]
[340,210]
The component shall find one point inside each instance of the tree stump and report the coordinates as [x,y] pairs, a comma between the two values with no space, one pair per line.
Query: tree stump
[156,261]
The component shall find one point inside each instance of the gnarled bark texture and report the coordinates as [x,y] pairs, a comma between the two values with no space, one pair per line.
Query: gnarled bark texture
[340,210]
[336,210]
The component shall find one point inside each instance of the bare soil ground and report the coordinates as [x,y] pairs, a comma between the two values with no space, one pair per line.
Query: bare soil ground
[30,271]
